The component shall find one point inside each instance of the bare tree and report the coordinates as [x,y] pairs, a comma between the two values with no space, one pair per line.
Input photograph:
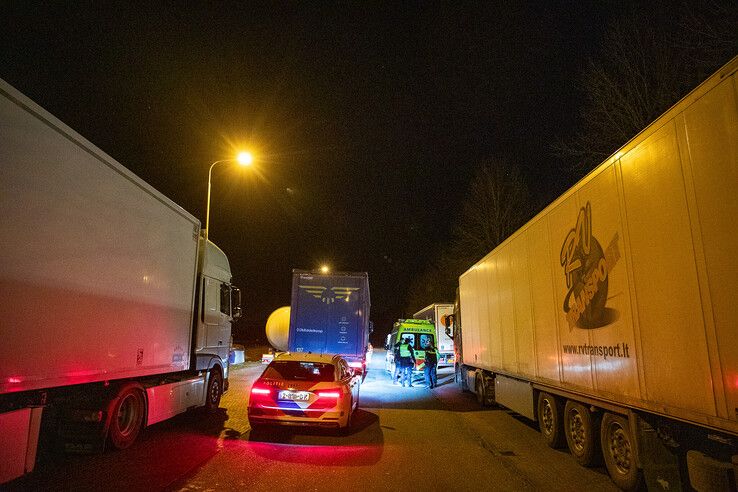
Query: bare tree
[496,204]
[645,65]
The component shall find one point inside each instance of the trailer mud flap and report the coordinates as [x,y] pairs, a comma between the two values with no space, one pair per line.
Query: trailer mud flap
[19,431]
[706,473]
[660,466]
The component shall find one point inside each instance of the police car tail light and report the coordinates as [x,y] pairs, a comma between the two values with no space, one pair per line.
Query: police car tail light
[260,391]
[329,394]
[356,364]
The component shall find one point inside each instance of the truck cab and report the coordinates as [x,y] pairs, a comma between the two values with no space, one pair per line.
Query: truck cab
[218,306]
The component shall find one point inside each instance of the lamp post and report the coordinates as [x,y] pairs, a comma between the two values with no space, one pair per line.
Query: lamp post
[244,159]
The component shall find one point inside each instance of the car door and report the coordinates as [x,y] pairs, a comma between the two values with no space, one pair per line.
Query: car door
[217,316]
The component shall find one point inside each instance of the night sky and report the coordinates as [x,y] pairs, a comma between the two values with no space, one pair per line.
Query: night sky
[367,119]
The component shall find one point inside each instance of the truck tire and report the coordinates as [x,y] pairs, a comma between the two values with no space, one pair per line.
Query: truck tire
[618,448]
[484,398]
[550,420]
[479,390]
[460,377]
[126,415]
[582,433]
[214,390]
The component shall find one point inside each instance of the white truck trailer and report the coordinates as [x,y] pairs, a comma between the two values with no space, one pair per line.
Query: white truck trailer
[610,317]
[115,313]
[445,345]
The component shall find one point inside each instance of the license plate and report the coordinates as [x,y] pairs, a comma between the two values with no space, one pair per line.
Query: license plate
[294,395]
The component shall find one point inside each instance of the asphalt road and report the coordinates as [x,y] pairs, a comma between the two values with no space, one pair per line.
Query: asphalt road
[403,439]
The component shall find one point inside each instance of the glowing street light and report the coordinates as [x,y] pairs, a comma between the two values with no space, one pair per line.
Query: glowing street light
[244,159]
[325,269]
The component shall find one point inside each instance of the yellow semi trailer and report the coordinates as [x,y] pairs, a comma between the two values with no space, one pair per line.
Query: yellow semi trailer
[610,318]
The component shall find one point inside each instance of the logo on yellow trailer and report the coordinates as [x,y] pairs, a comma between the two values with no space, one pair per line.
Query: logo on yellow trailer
[587,268]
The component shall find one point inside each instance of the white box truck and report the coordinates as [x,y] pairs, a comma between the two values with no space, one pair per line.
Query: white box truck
[444,343]
[610,317]
[114,312]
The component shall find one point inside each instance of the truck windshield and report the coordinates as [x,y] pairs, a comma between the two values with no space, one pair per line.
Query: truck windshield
[291,370]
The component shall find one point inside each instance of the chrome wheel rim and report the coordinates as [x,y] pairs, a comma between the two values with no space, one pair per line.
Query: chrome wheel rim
[214,390]
[576,430]
[547,417]
[619,444]
[127,415]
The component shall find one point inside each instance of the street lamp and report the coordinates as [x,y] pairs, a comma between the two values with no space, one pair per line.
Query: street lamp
[243,159]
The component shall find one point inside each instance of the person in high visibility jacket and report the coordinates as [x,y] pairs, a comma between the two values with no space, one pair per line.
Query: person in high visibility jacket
[407,362]
[431,359]
[397,372]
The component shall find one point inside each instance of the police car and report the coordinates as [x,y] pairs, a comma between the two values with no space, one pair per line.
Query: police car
[305,389]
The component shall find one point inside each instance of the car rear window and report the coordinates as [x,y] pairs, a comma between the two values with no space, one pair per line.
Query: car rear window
[300,371]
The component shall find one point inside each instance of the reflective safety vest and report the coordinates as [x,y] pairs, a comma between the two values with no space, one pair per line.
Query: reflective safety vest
[405,350]
[431,355]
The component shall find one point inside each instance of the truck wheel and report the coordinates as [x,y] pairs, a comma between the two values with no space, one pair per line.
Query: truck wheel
[582,434]
[550,415]
[617,449]
[460,378]
[126,413]
[483,397]
[479,390]
[214,391]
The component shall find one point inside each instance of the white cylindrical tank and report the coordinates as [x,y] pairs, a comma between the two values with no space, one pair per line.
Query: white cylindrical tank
[278,328]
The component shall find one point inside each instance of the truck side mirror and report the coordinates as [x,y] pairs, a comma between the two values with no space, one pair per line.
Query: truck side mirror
[236,300]
[448,321]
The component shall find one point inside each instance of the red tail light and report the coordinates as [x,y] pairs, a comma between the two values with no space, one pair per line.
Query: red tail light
[329,394]
[260,391]
[356,365]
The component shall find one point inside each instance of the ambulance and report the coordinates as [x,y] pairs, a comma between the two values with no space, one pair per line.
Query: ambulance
[419,333]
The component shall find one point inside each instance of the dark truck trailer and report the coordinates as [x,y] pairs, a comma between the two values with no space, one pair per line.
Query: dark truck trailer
[330,315]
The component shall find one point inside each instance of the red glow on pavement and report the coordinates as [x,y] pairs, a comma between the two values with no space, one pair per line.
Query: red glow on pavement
[354,455]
